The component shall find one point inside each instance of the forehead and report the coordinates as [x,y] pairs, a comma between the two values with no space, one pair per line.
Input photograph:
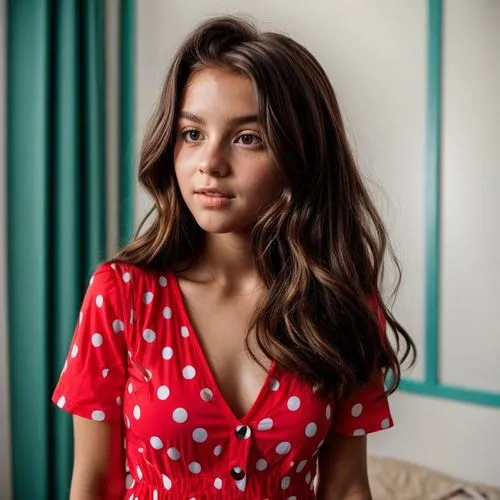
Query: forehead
[219,91]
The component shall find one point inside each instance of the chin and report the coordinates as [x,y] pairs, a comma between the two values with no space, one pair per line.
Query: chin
[223,227]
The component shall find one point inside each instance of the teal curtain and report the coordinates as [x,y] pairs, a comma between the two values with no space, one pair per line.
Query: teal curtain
[56,219]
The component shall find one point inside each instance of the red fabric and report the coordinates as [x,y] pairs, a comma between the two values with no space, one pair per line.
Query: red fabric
[135,360]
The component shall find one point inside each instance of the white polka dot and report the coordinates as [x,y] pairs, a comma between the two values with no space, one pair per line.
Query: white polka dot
[206,394]
[97,340]
[61,402]
[308,478]
[265,424]
[118,326]
[131,316]
[200,435]
[113,266]
[98,415]
[65,367]
[217,450]
[356,410]
[139,472]
[105,372]
[167,353]
[167,483]
[218,483]
[127,422]
[285,482]
[174,454]
[167,313]
[74,351]
[301,466]
[163,392]
[180,415]
[283,448]
[126,277]
[119,401]
[274,385]
[137,412]
[359,432]
[311,429]
[155,494]
[140,450]
[81,317]
[130,388]
[91,281]
[328,412]
[292,498]
[163,281]
[385,423]
[293,403]
[149,335]
[194,467]
[185,332]
[129,481]
[147,298]
[99,301]
[261,464]
[156,443]
[188,372]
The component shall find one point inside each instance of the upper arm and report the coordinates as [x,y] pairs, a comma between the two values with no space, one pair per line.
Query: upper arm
[343,457]
[343,468]
[98,459]
[92,444]
[92,384]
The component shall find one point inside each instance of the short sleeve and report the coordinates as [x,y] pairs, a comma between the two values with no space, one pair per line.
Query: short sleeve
[93,378]
[368,410]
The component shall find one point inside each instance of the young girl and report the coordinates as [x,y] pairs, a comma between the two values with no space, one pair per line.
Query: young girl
[236,347]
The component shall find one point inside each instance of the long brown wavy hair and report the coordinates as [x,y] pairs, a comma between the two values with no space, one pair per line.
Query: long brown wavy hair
[320,247]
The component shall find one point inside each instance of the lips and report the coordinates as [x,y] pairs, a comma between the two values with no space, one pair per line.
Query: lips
[214,193]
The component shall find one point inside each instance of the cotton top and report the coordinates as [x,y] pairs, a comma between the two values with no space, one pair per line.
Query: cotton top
[135,358]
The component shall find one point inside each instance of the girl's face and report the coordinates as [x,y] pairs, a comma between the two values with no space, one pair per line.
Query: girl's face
[225,174]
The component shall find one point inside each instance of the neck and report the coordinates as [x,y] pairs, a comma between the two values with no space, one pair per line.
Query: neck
[226,260]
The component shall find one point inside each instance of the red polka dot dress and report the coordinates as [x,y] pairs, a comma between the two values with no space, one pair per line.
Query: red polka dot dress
[135,359]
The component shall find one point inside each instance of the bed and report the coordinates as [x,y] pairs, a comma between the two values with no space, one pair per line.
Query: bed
[398,480]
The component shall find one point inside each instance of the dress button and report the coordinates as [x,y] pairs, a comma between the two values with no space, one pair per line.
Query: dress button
[237,473]
[243,432]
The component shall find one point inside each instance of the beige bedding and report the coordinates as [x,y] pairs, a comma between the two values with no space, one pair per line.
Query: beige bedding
[397,480]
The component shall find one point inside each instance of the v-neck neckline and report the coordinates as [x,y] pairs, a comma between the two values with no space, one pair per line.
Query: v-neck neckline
[208,369]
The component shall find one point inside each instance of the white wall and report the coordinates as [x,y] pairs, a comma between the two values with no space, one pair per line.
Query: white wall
[5,465]
[376,56]
[112,105]
[471,181]
[380,85]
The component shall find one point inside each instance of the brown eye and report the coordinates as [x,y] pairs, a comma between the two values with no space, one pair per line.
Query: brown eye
[191,135]
[249,139]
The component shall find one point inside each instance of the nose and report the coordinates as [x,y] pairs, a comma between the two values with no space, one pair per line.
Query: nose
[214,160]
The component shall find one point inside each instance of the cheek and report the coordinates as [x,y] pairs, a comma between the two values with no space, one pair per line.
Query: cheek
[267,181]
[181,173]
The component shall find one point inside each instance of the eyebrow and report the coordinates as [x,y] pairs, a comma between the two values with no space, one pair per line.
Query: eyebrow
[236,120]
